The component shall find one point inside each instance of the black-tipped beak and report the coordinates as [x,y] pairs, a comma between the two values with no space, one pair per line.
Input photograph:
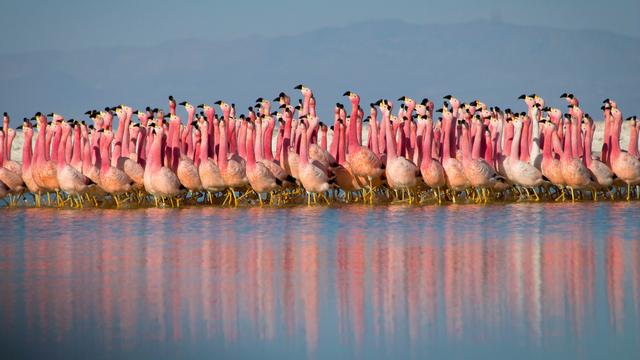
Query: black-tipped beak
[219,102]
[283,106]
[347,93]
[276,99]
[448,97]
[439,110]
[88,112]
[546,108]
[522,97]
[201,106]
[259,100]
[298,87]
[606,101]
[183,103]
[274,113]
[564,95]
[51,114]
[402,98]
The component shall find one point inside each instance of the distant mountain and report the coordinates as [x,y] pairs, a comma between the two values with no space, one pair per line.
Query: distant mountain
[494,62]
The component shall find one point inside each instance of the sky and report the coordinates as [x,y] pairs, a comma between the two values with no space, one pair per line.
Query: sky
[29,25]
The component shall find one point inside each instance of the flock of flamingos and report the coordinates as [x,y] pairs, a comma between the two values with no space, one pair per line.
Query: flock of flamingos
[470,153]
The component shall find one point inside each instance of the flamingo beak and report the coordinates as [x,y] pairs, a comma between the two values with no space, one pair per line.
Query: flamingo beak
[522,97]
[347,93]
[298,87]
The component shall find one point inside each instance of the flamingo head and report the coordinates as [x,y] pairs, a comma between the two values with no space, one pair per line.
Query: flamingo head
[353,97]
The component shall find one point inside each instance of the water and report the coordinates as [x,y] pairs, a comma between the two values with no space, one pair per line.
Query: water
[501,281]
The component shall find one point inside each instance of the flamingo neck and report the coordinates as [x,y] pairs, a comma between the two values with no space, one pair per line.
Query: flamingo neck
[515,145]
[391,143]
[588,139]
[27,151]
[204,144]
[222,154]
[250,147]
[266,140]
[353,120]
[426,146]
[304,156]
[477,141]
[104,154]
[633,140]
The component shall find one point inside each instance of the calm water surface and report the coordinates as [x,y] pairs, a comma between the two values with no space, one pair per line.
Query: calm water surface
[502,281]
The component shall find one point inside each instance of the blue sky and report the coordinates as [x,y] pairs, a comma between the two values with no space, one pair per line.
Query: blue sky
[79,24]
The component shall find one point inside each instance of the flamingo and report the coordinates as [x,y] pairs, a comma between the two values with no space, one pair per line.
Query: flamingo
[259,176]
[477,171]
[208,170]
[550,166]
[27,158]
[159,180]
[364,163]
[431,171]
[233,171]
[43,169]
[186,170]
[69,178]
[625,166]
[313,179]
[112,180]
[603,175]
[575,173]
[522,173]
[400,172]
[454,173]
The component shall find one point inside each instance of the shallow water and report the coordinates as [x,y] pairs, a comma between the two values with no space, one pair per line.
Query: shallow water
[505,281]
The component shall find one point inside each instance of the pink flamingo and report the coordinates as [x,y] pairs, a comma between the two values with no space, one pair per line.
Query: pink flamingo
[208,170]
[522,173]
[550,166]
[477,171]
[233,172]
[313,179]
[603,175]
[159,180]
[575,173]
[431,171]
[27,157]
[625,166]
[70,179]
[364,163]
[260,178]
[112,180]
[186,170]
[43,169]
[453,170]
[400,172]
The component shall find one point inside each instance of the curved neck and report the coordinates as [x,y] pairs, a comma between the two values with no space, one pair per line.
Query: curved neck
[268,135]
